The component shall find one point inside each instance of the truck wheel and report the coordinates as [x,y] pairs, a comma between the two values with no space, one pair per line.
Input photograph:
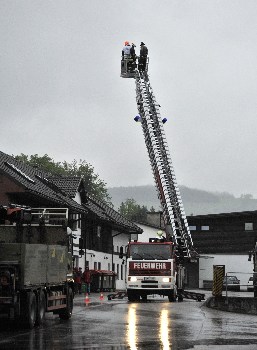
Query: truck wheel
[144,298]
[180,298]
[172,296]
[41,308]
[132,296]
[29,310]
[66,313]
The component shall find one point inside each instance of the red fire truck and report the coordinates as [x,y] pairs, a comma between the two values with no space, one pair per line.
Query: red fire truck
[151,269]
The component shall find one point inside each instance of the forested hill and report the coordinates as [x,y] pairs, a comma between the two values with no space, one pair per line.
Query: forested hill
[195,201]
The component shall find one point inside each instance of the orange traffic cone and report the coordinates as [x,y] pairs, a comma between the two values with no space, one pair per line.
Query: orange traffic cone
[101,297]
[87,299]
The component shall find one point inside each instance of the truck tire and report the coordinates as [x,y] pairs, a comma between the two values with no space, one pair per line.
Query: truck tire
[132,296]
[41,308]
[144,298]
[29,310]
[66,313]
[172,296]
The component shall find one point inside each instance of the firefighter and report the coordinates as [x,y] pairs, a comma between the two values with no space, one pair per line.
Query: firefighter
[126,51]
[142,57]
[133,56]
[87,279]
[159,235]
[78,279]
[127,55]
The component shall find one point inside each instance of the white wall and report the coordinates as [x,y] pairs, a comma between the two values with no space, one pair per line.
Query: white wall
[149,232]
[237,265]
[106,259]
[120,241]
[77,233]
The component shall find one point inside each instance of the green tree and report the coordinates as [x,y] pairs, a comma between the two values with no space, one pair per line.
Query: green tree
[152,209]
[133,211]
[246,196]
[93,184]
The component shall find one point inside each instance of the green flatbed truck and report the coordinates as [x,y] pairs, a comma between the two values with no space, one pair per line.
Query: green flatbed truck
[35,262]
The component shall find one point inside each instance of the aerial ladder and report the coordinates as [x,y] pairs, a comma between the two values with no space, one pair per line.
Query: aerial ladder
[174,216]
[176,226]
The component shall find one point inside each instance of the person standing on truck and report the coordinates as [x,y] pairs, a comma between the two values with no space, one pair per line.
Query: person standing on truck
[160,236]
[133,56]
[126,51]
[87,279]
[142,57]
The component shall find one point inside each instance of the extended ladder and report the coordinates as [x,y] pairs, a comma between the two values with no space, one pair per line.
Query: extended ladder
[177,229]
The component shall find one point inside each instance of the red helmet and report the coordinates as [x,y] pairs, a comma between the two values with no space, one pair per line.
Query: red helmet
[126,43]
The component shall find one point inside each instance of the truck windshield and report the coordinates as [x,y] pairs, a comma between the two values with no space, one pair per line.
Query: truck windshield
[150,251]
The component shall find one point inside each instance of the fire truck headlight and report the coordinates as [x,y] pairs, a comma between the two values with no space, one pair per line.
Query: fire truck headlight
[132,279]
[166,279]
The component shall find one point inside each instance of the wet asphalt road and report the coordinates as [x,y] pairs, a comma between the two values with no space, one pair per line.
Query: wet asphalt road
[119,325]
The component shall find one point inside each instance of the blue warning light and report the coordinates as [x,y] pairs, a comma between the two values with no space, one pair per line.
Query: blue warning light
[137,118]
[164,120]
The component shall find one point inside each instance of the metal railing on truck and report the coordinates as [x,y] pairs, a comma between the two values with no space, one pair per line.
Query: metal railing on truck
[14,213]
[50,216]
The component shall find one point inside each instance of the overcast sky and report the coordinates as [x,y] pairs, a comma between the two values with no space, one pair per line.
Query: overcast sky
[61,91]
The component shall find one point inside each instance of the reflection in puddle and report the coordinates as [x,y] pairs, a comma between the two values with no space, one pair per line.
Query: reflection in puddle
[134,323]
[164,330]
[132,327]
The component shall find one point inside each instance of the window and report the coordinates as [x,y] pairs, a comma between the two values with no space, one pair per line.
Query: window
[134,237]
[205,228]
[79,221]
[99,266]
[192,228]
[121,272]
[117,248]
[95,265]
[109,266]
[73,222]
[249,226]
[118,271]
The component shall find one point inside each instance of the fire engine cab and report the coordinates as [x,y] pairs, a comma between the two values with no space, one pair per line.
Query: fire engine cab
[151,269]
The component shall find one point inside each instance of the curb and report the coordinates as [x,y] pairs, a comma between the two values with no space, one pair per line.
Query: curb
[240,305]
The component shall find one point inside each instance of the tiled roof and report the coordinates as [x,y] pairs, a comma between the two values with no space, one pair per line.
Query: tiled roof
[61,190]
[68,184]
[106,213]
[36,181]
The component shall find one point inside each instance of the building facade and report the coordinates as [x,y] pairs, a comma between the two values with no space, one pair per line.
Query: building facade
[98,231]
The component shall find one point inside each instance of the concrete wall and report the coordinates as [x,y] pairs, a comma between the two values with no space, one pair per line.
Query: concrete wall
[233,304]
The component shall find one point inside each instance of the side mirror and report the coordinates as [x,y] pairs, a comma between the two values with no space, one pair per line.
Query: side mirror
[121,253]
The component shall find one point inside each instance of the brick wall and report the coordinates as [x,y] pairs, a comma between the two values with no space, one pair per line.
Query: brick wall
[6,186]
